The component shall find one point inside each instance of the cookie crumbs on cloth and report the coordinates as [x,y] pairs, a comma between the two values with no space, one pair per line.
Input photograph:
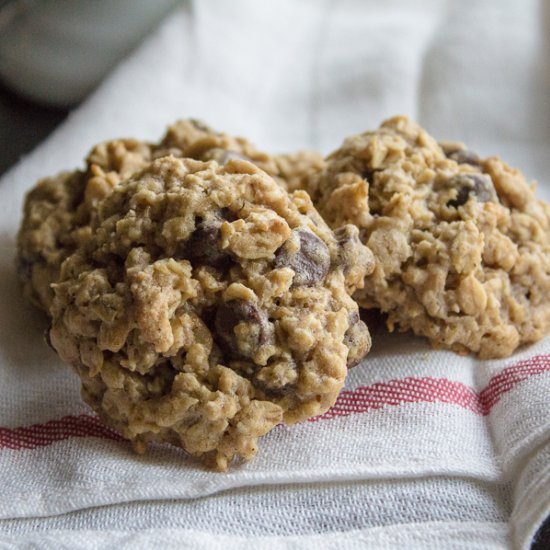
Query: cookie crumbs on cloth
[461,243]
[205,305]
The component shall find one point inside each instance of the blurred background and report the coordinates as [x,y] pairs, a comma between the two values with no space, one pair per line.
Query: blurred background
[287,74]
[53,53]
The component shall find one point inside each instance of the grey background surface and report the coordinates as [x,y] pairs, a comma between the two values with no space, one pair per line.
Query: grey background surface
[23,125]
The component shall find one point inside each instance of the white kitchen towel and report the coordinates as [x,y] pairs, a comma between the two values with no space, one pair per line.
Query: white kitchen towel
[424,448]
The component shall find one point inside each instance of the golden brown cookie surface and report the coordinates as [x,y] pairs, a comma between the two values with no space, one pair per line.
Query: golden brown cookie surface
[58,211]
[462,245]
[206,305]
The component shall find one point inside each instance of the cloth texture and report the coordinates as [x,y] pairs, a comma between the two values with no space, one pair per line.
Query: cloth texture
[424,448]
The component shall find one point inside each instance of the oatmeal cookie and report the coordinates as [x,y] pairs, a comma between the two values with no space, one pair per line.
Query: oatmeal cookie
[461,243]
[299,170]
[207,306]
[58,210]
[193,139]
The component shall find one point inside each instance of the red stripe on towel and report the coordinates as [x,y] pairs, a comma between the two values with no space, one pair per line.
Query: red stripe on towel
[40,435]
[360,400]
[436,390]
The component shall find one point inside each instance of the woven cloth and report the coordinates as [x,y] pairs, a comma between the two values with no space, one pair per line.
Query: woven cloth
[424,448]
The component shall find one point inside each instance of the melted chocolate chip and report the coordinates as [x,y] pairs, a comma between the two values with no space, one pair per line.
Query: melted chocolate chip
[203,245]
[464,156]
[310,262]
[478,186]
[357,339]
[233,313]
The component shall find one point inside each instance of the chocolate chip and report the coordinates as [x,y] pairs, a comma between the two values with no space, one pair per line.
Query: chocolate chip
[464,156]
[245,344]
[478,186]
[310,262]
[349,244]
[357,339]
[459,153]
[203,245]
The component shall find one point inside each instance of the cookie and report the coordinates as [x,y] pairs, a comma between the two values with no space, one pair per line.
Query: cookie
[57,213]
[461,242]
[299,170]
[208,305]
[194,139]
[58,210]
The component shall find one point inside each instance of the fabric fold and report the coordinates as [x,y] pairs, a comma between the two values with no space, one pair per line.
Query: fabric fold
[424,448]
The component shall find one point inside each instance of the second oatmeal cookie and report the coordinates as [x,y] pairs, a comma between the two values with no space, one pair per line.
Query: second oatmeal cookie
[462,245]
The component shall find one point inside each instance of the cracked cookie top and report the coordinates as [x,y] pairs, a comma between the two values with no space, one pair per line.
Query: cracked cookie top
[206,305]
[461,243]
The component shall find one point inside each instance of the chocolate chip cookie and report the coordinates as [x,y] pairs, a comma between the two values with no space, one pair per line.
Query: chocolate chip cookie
[299,170]
[461,243]
[206,305]
[58,210]
[194,139]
